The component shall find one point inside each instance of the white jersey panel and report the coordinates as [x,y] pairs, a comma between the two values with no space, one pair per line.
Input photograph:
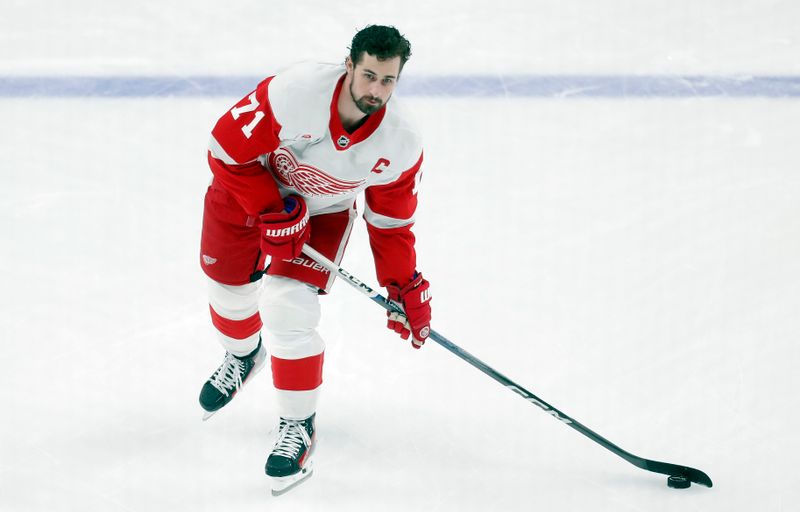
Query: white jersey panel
[308,161]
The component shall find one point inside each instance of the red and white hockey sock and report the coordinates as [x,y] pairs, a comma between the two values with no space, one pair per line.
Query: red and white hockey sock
[297,385]
[291,315]
[234,312]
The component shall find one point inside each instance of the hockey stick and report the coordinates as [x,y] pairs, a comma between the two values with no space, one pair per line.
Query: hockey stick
[679,476]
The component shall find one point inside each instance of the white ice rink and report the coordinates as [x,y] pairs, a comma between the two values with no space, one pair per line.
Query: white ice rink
[633,260]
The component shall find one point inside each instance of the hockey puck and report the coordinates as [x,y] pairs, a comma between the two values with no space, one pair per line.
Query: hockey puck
[678,482]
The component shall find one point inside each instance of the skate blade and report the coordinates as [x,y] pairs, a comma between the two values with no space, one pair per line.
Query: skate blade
[283,484]
[208,414]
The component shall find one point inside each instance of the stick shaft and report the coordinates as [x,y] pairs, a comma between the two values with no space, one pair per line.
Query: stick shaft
[650,465]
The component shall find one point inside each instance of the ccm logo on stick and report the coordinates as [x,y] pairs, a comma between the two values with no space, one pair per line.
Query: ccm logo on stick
[539,404]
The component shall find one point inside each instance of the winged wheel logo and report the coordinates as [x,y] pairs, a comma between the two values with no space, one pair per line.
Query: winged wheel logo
[306,179]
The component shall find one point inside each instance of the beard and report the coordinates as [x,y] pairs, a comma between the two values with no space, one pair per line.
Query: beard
[366,104]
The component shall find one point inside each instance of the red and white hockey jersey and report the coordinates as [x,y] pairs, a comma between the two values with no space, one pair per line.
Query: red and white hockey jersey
[286,137]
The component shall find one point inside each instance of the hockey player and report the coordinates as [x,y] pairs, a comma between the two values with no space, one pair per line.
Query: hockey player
[288,161]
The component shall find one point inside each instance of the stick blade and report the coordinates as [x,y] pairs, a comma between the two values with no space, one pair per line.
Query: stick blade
[694,475]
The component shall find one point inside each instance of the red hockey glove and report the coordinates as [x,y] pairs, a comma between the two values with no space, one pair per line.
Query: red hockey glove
[415,300]
[284,233]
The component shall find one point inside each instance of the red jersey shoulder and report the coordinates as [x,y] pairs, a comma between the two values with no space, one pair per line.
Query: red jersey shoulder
[249,129]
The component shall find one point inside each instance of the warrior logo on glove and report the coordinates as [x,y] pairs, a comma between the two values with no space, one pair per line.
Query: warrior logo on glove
[284,233]
[414,299]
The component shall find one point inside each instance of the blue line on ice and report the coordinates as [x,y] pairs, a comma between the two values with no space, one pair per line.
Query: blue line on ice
[542,86]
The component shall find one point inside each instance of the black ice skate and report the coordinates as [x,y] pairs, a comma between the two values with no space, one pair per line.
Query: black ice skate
[231,375]
[290,461]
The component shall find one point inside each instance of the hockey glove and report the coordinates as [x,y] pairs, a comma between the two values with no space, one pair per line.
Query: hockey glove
[415,301]
[284,233]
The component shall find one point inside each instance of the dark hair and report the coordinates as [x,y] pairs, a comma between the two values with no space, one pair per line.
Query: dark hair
[381,42]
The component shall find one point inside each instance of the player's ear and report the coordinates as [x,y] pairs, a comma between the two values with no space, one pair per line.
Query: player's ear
[348,64]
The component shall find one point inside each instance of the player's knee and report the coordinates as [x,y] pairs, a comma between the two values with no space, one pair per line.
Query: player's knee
[289,308]
[234,302]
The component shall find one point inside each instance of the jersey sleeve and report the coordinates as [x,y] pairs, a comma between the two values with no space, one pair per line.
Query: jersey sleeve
[245,132]
[389,214]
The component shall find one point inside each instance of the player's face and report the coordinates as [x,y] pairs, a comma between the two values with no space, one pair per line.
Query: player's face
[372,81]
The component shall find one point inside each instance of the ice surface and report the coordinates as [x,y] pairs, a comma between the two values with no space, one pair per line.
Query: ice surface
[633,261]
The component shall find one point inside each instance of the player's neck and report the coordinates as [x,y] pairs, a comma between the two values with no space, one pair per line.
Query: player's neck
[349,113]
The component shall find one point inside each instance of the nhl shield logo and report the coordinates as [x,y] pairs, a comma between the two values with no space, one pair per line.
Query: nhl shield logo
[343,141]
